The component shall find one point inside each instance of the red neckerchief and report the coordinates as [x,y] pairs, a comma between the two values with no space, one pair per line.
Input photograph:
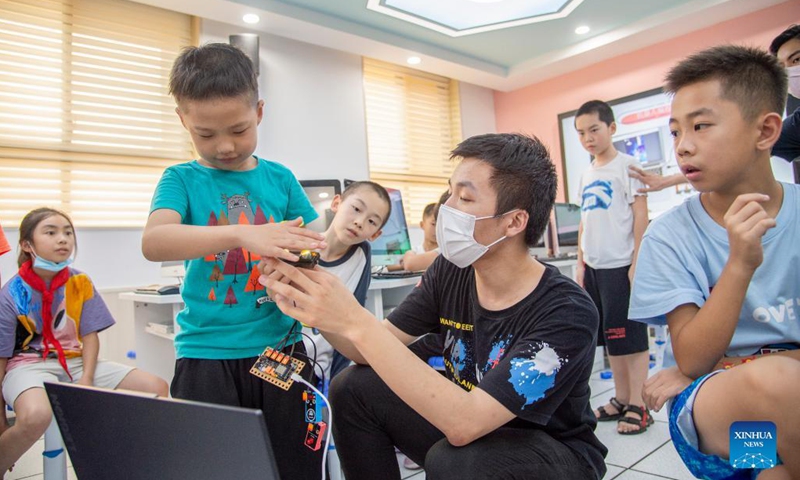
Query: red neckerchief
[27,273]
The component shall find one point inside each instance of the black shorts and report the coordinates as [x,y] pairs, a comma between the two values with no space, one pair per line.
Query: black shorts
[229,382]
[610,290]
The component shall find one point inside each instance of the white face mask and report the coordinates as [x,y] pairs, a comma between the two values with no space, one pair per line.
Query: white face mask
[455,232]
[794,80]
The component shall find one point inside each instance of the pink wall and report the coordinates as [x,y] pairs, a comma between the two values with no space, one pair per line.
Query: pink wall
[534,109]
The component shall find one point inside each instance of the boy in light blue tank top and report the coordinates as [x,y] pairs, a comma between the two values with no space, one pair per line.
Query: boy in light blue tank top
[220,214]
[722,269]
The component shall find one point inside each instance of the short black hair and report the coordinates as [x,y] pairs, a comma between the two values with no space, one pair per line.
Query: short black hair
[749,77]
[375,187]
[429,210]
[789,34]
[523,175]
[213,71]
[601,108]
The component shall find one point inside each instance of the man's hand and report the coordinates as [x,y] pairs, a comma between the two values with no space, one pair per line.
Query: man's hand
[655,182]
[746,222]
[276,239]
[314,297]
[662,386]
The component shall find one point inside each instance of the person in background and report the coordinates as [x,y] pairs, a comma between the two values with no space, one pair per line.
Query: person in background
[613,220]
[50,315]
[721,269]
[423,255]
[786,48]
[221,213]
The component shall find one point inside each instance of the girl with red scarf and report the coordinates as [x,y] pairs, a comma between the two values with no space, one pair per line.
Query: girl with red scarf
[50,315]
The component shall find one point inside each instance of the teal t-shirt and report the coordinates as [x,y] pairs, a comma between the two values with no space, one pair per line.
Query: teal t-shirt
[222,318]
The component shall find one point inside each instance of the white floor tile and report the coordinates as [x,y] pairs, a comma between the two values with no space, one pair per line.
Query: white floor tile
[666,462]
[601,387]
[30,464]
[633,475]
[612,471]
[627,450]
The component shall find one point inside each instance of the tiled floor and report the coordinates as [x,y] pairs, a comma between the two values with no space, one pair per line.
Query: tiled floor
[649,456]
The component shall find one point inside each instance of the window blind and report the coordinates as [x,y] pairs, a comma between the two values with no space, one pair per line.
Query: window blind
[86,123]
[413,122]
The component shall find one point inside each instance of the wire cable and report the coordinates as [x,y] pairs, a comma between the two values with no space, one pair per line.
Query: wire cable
[297,378]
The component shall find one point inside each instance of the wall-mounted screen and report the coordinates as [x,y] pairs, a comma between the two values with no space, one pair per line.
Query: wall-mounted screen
[644,147]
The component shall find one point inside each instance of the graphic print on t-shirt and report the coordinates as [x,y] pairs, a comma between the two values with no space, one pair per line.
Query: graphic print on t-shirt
[597,194]
[533,376]
[238,266]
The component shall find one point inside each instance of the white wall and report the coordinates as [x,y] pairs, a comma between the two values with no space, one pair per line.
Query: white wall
[314,106]
[477,110]
[112,257]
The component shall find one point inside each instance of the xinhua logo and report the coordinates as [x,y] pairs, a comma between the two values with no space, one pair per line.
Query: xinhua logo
[753,445]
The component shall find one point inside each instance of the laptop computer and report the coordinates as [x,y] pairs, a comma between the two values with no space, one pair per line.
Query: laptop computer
[127,435]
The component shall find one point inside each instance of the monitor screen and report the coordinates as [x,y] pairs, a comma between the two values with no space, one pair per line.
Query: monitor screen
[568,219]
[389,248]
[646,147]
[321,193]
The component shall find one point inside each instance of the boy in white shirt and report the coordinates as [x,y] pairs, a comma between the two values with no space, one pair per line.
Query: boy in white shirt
[613,220]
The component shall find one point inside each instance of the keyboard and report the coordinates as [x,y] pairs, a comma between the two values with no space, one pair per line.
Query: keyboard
[396,274]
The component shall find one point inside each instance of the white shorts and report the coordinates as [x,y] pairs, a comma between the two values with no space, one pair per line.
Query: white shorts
[33,375]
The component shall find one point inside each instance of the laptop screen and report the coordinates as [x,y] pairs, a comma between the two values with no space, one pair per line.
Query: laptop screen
[114,434]
[389,248]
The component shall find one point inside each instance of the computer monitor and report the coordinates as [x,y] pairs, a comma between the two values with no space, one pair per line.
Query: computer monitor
[645,147]
[567,219]
[116,434]
[321,193]
[389,248]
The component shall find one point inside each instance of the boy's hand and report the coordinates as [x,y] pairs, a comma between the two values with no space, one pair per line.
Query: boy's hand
[654,182]
[86,381]
[314,297]
[662,386]
[746,222]
[579,271]
[275,239]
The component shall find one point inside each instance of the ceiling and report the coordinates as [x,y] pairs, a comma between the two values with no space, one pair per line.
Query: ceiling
[503,59]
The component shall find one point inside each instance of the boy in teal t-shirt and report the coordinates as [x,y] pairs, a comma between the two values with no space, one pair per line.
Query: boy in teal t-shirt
[220,214]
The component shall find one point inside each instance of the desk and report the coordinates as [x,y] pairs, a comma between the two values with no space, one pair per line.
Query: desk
[155,351]
[387,293]
[566,266]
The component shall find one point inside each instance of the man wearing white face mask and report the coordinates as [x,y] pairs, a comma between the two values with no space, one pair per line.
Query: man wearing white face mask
[518,339]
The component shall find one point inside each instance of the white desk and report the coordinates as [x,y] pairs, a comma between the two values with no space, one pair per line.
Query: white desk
[566,265]
[387,293]
[155,351]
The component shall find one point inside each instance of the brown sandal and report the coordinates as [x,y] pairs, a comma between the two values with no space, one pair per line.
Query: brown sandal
[607,417]
[643,422]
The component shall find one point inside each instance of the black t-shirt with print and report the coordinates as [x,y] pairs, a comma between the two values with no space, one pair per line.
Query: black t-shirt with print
[535,357]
